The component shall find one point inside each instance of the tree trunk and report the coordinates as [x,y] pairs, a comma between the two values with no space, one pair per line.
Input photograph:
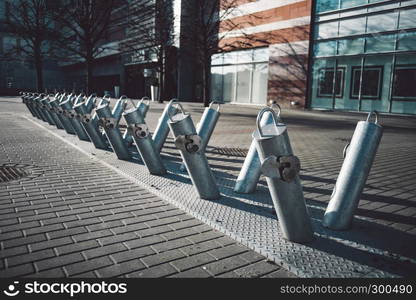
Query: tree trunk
[162,77]
[89,64]
[206,82]
[39,71]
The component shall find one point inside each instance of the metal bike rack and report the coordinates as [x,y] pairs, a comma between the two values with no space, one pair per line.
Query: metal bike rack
[70,113]
[281,169]
[60,114]
[357,164]
[206,125]
[25,100]
[43,105]
[162,128]
[90,123]
[139,131]
[109,121]
[38,106]
[143,107]
[251,170]
[52,113]
[192,153]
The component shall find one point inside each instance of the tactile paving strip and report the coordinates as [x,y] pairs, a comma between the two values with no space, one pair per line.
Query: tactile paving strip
[249,219]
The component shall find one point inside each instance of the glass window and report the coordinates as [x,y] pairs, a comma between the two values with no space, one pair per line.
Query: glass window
[243,83]
[352,26]
[404,87]
[228,83]
[407,41]
[326,30]
[216,83]
[382,22]
[244,56]
[380,43]
[217,59]
[325,48]
[230,57]
[407,19]
[326,81]
[371,82]
[352,3]
[260,79]
[326,5]
[351,46]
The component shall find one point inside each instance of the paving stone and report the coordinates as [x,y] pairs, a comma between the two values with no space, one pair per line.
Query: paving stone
[85,266]
[163,257]
[121,269]
[193,273]
[159,271]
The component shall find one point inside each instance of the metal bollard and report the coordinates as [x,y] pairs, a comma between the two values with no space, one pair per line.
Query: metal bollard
[206,126]
[60,114]
[281,169]
[25,100]
[139,131]
[53,115]
[110,125]
[189,144]
[38,106]
[143,109]
[43,105]
[33,104]
[90,123]
[353,175]
[162,128]
[70,113]
[251,170]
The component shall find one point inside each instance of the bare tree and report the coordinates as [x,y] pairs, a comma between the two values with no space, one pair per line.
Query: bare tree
[84,24]
[151,26]
[206,22]
[31,22]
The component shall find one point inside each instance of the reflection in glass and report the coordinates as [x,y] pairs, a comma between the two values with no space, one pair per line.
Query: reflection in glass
[326,82]
[260,78]
[404,87]
[371,82]
[243,83]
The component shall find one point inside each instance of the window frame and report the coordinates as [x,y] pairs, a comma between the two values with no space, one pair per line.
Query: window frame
[380,81]
[398,98]
[341,94]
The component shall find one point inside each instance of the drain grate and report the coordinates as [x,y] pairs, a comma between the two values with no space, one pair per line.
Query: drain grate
[11,172]
[240,152]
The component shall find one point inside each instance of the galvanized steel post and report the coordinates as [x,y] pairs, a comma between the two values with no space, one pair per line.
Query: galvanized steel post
[70,113]
[162,128]
[90,124]
[53,115]
[353,175]
[281,169]
[43,105]
[189,145]
[251,170]
[143,107]
[206,125]
[110,126]
[60,114]
[139,131]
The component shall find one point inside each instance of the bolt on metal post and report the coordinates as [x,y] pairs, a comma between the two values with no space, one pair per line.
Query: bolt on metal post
[70,113]
[60,114]
[90,124]
[162,128]
[359,156]
[143,107]
[139,131]
[281,169]
[109,122]
[193,156]
[206,125]
[251,170]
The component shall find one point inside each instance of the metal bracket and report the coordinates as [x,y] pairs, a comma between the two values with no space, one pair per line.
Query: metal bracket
[190,143]
[284,167]
[139,131]
[109,123]
[86,118]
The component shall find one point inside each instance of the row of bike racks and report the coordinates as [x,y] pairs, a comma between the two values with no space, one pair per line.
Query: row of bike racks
[270,153]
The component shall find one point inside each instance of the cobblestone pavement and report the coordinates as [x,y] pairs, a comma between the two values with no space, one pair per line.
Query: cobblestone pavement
[73,217]
[383,236]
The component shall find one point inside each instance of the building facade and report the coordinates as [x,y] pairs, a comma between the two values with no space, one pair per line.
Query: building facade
[353,55]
